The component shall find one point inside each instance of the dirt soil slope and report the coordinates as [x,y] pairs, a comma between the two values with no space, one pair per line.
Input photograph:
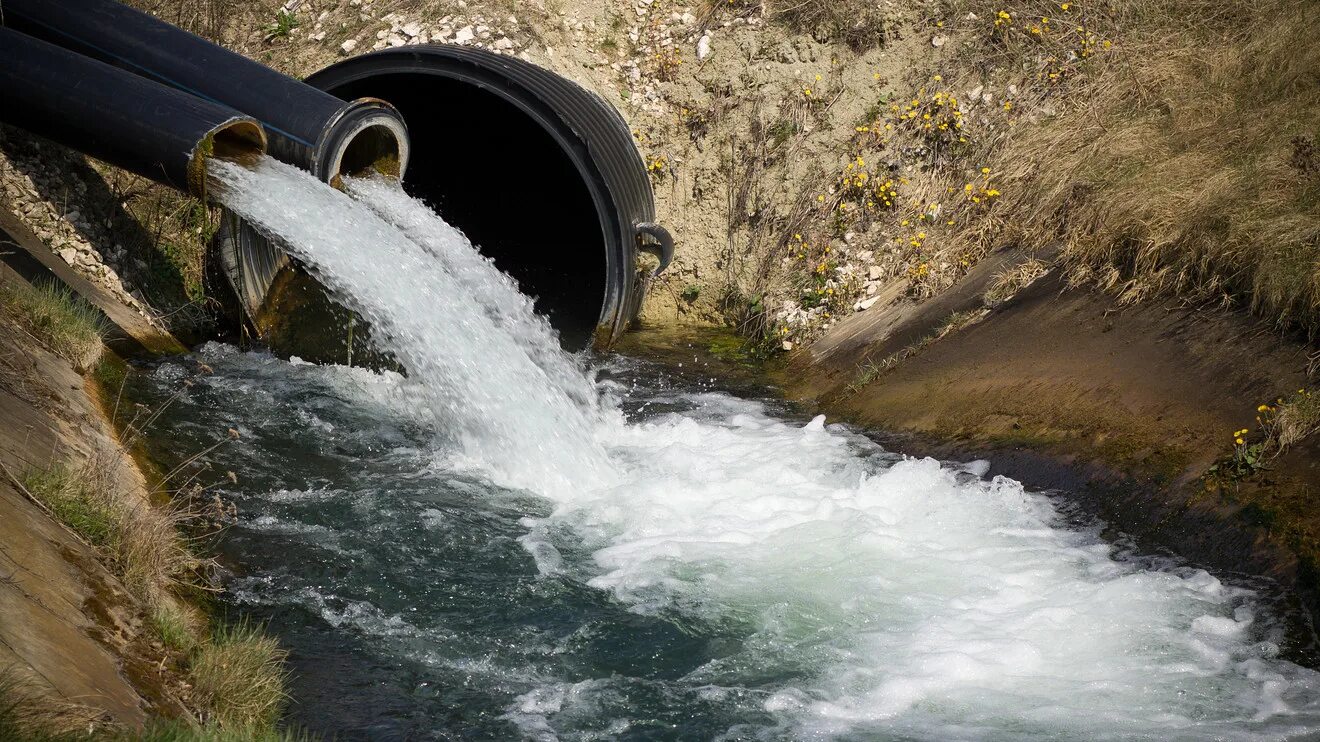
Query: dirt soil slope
[1129,406]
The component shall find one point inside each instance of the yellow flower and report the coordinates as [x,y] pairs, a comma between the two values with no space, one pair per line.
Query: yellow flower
[1065,6]
[1239,441]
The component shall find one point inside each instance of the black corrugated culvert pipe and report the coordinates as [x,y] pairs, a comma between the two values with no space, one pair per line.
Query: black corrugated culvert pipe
[134,123]
[540,173]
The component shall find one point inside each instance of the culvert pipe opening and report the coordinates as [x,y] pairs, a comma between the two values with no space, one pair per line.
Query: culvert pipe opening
[541,174]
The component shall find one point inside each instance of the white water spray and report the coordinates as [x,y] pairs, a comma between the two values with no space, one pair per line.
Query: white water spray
[480,367]
[909,599]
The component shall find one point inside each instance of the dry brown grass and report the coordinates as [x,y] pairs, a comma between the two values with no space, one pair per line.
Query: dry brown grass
[1006,284]
[1297,419]
[29,712]
[140,543]
[861,24]
[1187,166]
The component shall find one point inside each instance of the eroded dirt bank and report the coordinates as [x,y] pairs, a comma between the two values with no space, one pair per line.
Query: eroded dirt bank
[1135,408]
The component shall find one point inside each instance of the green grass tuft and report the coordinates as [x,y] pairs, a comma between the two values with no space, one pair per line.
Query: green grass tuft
[240,677]
[64,323]
[78,503]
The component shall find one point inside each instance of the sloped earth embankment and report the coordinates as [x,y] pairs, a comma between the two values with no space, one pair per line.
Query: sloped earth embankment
[70,632]
[1130,407]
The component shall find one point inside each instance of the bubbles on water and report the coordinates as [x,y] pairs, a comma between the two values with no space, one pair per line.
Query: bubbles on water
[481,363]
[834,590]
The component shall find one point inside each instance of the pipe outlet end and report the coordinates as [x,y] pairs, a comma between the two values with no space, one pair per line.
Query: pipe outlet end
[367,136]
[237,139]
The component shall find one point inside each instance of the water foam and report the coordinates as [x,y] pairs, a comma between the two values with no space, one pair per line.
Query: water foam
[925,599]
[528,421]
[876,596]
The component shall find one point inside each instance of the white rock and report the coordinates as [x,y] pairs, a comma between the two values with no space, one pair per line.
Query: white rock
[788,345]
[937,41]
[503,44]
[703,46]
[412,29]
[866,304]
[464,35]
[874,273]
[68,255]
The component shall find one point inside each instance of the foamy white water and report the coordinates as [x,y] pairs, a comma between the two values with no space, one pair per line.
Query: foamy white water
[932,603]
[896,598]
[481,282]
[528,422]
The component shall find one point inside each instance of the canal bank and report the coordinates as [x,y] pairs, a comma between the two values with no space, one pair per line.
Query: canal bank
[1136,409]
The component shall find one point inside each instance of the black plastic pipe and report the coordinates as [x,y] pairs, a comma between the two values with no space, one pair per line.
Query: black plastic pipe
[305,126]
[121,118]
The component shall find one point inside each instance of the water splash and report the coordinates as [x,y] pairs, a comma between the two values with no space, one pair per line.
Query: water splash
[520,409]
[833,590]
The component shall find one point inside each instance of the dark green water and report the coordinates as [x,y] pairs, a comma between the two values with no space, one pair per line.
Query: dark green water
[750,577]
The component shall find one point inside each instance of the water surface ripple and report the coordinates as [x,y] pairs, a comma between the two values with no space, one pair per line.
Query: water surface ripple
[748,576]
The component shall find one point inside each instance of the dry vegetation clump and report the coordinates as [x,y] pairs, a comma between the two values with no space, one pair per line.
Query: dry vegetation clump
[858,23]
[237,676]
[1187,164]
[178,731]
[142,544]
[66,324]
[1296,419]
[1006,284]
